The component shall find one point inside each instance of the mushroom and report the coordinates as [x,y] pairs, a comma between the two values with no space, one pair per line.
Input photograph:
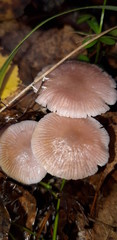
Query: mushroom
[77,90]
[16,157]
[70,148]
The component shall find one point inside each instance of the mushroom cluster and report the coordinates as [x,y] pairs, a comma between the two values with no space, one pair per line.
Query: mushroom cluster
[68,143]
[70,148]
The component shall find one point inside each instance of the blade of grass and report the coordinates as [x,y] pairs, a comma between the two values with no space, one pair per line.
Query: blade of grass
[11,236]
[22,228]
[102,16]
[100,30]
[4,68]
[56,220]
[62,185]
[29,231]
[57,213]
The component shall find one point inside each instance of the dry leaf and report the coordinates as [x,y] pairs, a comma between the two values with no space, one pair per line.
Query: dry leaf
[11,81]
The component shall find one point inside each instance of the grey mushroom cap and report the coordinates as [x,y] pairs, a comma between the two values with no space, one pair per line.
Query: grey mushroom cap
[70,148]
[77,90]
[16,157]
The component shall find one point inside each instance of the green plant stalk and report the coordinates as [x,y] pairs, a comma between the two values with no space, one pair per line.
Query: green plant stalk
[102,16]
[10,234]
[54,194]
[97,52]
[4,68]
[45,185]
[22,228]
[57,213]
[100,30]
[29,231]
[49,188]
[56,220]
[62,185]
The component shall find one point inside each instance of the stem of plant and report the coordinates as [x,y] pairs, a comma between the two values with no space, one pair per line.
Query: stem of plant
[97,52]
[11,236]
[22,228]
[45,185]
[57,213]
[100,30]
[49,188]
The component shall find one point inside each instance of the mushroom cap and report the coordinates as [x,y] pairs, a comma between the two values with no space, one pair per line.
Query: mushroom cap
[76,89]
[70,148]
[16,157]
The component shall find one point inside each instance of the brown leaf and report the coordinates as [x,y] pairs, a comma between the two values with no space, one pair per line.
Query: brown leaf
[106,221]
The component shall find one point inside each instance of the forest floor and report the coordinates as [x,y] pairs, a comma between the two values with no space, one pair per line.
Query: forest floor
[88,207]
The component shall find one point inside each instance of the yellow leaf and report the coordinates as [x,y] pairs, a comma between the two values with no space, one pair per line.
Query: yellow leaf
[11,81]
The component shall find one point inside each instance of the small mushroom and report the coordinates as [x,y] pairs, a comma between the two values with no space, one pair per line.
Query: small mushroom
[16,157]
[77,90]
[70,148]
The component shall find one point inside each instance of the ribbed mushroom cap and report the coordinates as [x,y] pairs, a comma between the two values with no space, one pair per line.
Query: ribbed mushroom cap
[16,157]
[70,148]
[77,90]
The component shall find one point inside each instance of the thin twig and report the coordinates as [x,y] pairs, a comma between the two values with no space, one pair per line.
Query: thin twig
[53,67]
[43,224]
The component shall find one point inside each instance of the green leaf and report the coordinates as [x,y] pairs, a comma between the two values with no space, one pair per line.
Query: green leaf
[83,57]
[107,40]
[114,33]
[90,44]
[93,24]
[83,18]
